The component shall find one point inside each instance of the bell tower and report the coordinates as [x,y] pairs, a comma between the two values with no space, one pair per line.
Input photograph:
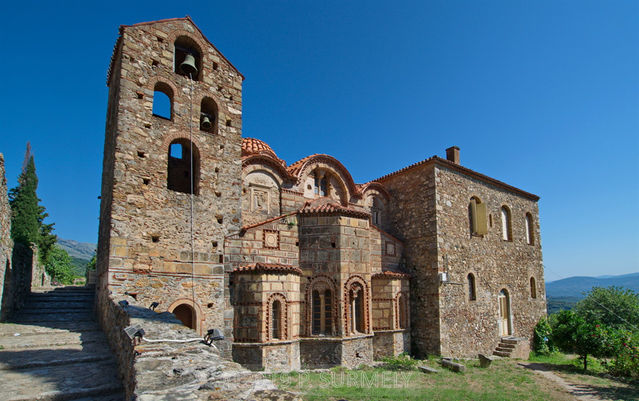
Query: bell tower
[171,172]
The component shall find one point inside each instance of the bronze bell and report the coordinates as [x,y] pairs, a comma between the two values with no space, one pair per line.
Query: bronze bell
[206,122]
[188,65]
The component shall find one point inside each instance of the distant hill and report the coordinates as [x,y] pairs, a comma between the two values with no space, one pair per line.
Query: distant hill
[576,286]
[565,293]
[80,252]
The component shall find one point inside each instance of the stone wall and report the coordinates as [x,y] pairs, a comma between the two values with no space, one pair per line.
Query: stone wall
[6,245]
[165,370]
[469,326]
[146,246]
[413,219]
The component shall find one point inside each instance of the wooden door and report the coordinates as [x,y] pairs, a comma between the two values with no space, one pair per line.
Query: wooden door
[504,314]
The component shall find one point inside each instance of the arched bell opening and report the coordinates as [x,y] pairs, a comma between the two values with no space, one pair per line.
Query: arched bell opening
[208,115]
[187,58]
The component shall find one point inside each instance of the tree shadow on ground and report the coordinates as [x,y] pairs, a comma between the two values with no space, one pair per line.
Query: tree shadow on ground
[619,388]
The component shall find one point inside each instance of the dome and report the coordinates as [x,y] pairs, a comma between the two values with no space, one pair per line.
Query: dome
[252,146]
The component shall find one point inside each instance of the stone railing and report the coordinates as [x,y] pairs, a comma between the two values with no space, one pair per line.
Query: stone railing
[164,364]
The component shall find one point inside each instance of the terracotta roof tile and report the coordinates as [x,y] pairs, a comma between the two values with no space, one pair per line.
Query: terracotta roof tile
[295,168]
[268,268]
[329,206]
[391,275]
[253,146]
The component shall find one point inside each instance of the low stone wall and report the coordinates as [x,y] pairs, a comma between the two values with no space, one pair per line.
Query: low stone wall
[322,353]
[389,343]
[280,356]
[168,370]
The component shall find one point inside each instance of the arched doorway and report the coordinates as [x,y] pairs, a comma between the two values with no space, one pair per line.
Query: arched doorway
[186,314]
[504,313]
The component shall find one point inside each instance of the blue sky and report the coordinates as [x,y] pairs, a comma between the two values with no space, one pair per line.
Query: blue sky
[543,95]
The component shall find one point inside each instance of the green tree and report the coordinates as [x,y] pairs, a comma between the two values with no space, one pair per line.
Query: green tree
[615,307]
[58,265]
[572,333]
[27,215]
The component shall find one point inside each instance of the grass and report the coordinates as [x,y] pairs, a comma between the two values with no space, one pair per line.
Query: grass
[504,380]
[570,368]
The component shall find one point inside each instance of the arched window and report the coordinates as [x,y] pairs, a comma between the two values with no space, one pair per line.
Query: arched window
[163,101]
[506,226]
[472,291]
[208,115]
[356,305]
[477,217]
[533,288]
[183,173]
[322,323]
[276,320]
[530,237]
[188,60]
[186,314]
[402,309]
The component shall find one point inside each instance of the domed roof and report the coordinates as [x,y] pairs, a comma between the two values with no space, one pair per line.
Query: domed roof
[252,146]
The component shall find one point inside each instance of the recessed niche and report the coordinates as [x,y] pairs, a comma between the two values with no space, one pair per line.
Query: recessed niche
[220,219]
[140,153]
[221,259]
[228,123]
[140,95]
[218,193]
[155,238]
[215,65]
[214,243]
[146,181]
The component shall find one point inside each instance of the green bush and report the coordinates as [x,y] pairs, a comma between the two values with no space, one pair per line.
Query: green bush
[542,338]
[402,361]
[625,348]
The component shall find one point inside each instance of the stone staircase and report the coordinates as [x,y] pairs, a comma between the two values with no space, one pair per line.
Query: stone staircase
[512,347]
[54,350]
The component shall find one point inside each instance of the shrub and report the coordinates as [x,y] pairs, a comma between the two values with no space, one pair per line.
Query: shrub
[625,348]
[542,338]
[402,361]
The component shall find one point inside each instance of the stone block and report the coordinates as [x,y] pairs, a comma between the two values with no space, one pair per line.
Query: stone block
[454,366]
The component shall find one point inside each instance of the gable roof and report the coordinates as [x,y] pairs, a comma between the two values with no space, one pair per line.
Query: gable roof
[187,18]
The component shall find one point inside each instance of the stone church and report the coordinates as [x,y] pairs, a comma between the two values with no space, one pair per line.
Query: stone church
[298,265]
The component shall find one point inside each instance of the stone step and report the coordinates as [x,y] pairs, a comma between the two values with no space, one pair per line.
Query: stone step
[45,340]
[42,318]
[507,340]
[503,349]
[55,355]
[9,329]
[111,397]
[501,353]
[506,345]
[51,309]
[57,299]
[61,382]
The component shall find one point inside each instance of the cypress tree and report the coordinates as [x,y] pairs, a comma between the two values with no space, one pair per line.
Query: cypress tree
[27,215]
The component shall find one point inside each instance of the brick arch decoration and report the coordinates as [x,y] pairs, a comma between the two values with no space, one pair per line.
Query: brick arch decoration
[356,279]
[323,282]
[199,316]
[304,167]
[284,319]
[397,304]
[168,138]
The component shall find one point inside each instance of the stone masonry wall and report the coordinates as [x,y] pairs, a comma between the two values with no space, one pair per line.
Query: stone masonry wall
[6,244]
[413,220]
[468,326]
[145,244]
[164,370]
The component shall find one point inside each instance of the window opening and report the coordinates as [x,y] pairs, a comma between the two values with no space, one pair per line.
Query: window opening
[472,292]
[179,166]
[276,318]
[187,58]
[506,229]
[533,288]
[162,101]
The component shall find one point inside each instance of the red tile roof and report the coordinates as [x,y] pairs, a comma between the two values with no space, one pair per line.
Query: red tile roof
[329,206]
[252,146]
[391,275]
[268,268]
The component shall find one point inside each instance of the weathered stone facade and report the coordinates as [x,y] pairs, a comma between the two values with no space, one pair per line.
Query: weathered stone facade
[297,264]
[6,244]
